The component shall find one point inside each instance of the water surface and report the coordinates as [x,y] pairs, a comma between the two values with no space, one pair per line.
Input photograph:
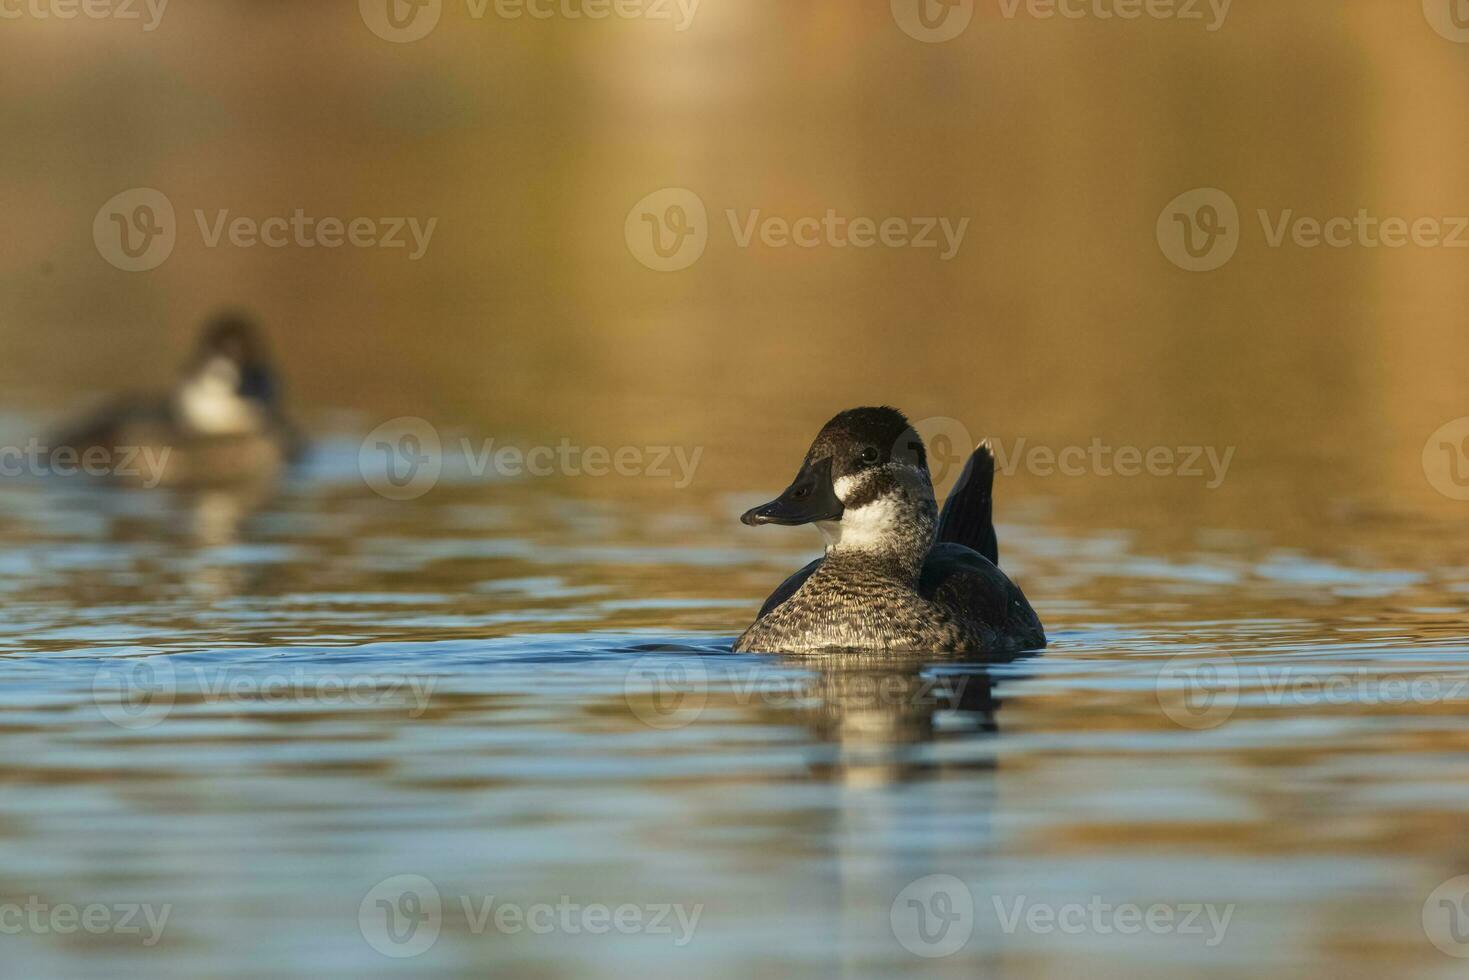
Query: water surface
[256,713]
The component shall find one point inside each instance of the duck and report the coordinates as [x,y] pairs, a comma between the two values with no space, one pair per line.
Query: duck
[221,424]
[897,575]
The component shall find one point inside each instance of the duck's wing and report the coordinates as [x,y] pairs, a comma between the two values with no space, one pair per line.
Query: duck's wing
[968,515]
[971,586]
[788,588]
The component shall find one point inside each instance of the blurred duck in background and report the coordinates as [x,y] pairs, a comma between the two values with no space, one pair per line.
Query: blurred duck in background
[221,425]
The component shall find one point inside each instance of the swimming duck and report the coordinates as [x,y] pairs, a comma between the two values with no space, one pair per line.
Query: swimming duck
[897,575]
[221,424]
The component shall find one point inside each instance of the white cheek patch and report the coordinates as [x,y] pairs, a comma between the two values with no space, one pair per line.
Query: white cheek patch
[210,403]
[848,487]
[880,524]
[871,526]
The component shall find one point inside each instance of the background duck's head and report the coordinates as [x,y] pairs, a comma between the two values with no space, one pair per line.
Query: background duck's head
[864,484]
[228,386]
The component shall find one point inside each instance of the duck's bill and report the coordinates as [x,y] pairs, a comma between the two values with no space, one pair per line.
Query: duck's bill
[810,498]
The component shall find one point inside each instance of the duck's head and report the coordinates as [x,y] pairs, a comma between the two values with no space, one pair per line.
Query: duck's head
[228,386]
[864,484]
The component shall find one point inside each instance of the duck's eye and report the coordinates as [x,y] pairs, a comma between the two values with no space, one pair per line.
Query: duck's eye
[801,493]
[869,455]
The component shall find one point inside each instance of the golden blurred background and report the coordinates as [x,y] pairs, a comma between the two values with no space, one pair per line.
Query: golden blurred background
[1061,139]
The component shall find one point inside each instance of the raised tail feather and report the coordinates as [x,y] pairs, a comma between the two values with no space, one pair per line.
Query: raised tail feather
[968,517]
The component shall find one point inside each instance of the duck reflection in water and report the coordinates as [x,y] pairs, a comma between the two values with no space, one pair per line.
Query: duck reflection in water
[879,718]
